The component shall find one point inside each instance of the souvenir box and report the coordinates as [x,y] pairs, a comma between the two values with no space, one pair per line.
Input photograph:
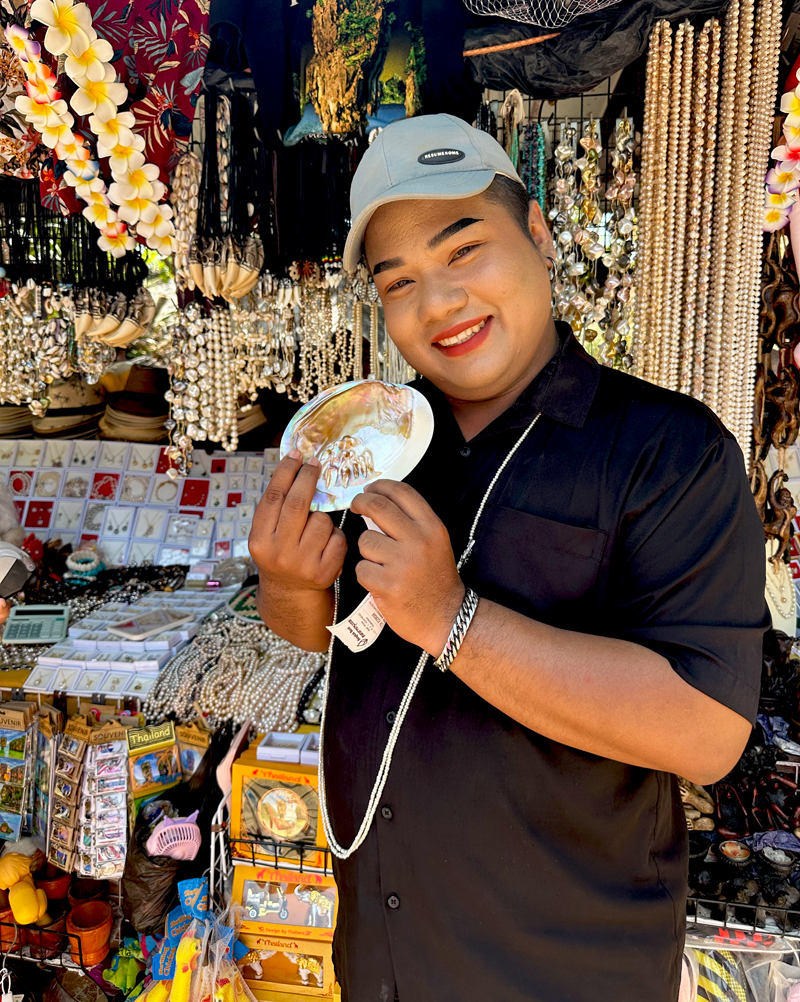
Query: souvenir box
[153,758]
[278,802]
[286,903]
[283,964]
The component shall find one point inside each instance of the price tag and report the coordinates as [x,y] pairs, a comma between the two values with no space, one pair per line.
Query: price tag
[362,627]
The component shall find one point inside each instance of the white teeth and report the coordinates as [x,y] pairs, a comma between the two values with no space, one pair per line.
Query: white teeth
[448,342]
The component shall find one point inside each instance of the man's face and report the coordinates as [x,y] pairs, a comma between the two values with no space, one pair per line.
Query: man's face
[443,269]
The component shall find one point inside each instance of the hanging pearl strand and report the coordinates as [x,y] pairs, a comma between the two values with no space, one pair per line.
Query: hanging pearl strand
[766,52]
[722,194]
[733,374]
[660,215]
[679,337]
[642,349]
[694,210]
[704,263]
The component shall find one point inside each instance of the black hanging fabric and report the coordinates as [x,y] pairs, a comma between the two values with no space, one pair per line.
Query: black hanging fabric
[48,247]
[587,51]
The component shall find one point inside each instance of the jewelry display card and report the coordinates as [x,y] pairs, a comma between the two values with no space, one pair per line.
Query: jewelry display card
[117,683]
[165,490]
[246,511]
[65,677]
[236,483]
[219,465]
[235,465]
[48,484]
[150,523]
[225,530]
[118,521]
[241,548]
[222,549]
[56,453]
[141,686]
[229,515]
[194,492]
[200,548]
[253,497]
[205,528]
[112,455]
[201,463]
[20,483]
[29,453]
[218,482]
[68,515]
[20,506]
[104,486]
[254,482]
[93,519]
[173,555]
[113,551]
[7,450]
[76,485]
[180,529]
[89,682]
[241,530]
[41,680]
[254,464]
[67,538]
[143,458]
[142,553]
[217,499]
[164,463]
[234,499]
[135,488]
[84,453]
[39,515]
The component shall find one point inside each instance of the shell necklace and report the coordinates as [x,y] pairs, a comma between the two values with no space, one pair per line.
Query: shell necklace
[383,772]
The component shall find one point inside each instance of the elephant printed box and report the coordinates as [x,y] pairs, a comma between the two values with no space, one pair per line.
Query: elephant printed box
[286,903]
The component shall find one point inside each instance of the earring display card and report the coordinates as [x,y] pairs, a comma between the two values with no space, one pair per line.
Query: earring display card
[194,493]
[84,454]
[40,514]
[76,485]
[93,519]
[180,529]
[165,491]
[150,523]
[8,448]
[56,453]
[118,521]
[142,553]
[143,458]
[135,488]
[48,484]
[68,515]
[201,463]
[112,455]
[29,453]
[20,483]
[105,486]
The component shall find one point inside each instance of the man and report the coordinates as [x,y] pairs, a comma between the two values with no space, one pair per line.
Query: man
[529,843]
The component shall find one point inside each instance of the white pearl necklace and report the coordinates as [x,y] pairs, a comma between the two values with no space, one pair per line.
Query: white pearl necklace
[386,761]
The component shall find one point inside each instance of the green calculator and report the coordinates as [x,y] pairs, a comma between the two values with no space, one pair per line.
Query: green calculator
[36,624]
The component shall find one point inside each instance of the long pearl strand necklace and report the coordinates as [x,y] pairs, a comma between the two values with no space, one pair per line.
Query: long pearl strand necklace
[234,670]
[338,850]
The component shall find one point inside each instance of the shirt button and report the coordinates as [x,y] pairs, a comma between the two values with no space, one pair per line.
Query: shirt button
[386,812]
[390,717]
[393,901]
[466,451]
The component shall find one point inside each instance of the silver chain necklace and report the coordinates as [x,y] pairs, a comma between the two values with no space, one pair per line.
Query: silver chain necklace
[383,772]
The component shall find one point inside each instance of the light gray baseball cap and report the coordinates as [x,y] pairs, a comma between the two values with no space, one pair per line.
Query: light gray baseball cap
[431,156]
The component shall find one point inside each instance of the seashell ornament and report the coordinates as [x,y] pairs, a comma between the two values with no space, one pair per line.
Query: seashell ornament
[360,432]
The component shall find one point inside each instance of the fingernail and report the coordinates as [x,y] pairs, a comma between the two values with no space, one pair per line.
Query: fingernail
[294,454]
[313,461]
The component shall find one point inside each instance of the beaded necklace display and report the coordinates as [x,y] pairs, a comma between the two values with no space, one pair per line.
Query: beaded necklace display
[386,761]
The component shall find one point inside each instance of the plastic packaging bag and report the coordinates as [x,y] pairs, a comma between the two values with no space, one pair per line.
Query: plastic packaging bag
[150,883]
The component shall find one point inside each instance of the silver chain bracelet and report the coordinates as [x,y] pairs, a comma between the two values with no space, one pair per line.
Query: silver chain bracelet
[459,631]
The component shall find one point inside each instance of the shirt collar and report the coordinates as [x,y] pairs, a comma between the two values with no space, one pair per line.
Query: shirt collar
[563,391]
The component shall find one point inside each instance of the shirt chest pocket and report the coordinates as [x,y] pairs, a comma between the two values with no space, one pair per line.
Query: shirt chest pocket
[534,565]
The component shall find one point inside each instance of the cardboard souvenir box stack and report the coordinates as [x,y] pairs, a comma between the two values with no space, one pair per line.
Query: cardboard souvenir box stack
[289,915]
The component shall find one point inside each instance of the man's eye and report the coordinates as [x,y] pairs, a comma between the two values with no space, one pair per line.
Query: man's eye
[398,285]
[463,251]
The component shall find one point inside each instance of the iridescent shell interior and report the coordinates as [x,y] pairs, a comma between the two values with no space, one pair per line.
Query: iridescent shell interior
[360,432]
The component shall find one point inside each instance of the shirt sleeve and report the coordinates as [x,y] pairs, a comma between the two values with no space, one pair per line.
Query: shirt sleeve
[688,578]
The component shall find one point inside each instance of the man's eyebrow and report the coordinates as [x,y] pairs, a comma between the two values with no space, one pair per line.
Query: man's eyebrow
[390,262]
[450,230]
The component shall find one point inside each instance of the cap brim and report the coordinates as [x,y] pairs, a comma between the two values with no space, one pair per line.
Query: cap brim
[447,184]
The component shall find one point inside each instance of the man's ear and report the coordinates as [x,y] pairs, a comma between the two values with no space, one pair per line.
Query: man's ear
[540,231]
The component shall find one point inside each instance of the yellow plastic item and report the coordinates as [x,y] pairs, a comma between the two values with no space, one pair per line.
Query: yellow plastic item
[13,867]
[28,904]
[157,992]
[185,963]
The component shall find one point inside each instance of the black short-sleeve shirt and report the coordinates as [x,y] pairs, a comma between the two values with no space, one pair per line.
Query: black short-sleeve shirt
[502,865]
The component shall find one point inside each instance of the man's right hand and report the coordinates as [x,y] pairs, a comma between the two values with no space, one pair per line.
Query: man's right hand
[293,550]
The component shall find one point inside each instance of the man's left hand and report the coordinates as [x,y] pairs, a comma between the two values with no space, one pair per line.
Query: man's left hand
[411,571]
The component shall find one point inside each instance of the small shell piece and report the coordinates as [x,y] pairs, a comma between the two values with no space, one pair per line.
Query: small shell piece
[360,432]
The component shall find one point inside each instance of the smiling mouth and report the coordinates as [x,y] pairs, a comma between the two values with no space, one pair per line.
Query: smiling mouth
[464,336]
